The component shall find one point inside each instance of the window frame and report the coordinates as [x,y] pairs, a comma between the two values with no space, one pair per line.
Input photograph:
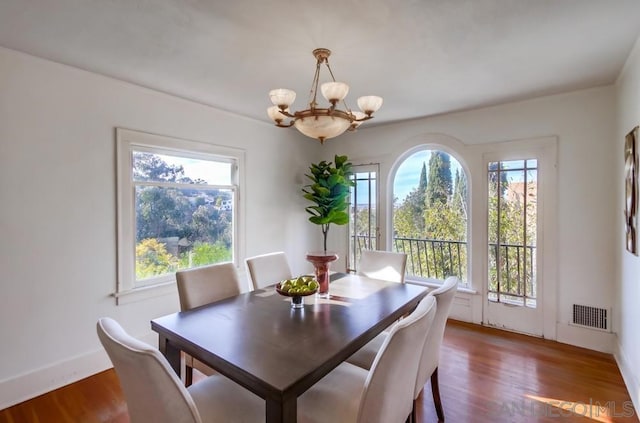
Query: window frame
[128,141]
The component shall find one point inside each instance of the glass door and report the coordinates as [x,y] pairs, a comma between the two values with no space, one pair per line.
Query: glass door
[364,229]
[513,286]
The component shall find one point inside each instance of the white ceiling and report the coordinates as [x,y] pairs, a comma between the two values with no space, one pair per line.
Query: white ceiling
[424,57]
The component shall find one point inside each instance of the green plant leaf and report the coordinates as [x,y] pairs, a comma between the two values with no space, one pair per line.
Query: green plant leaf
[329,193]
[340,160]
[318,220]
[320,190]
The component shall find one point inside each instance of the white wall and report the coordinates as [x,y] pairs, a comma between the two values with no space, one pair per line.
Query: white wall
[627,313]
[587,206]
[58,210]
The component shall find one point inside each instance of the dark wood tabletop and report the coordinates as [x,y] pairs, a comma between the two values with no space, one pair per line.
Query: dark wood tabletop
[278,352]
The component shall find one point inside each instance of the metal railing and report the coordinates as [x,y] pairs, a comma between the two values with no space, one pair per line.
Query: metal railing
[517,276]
[426,258]
[438,259]
[434,258]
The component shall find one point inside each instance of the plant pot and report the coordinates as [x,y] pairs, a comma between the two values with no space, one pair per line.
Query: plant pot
[321,261]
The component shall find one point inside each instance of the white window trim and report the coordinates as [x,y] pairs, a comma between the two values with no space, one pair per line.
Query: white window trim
[126,141]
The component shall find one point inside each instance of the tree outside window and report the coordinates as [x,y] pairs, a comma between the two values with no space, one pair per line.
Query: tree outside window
[430,216]
[180,221]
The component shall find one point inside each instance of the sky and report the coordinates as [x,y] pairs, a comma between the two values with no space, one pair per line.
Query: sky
[408,174]
[214,173]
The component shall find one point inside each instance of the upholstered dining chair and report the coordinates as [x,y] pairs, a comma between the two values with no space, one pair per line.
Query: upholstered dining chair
[430,357]
[385,265]
[268,269]
[204,285]
[154,393]
[383,394]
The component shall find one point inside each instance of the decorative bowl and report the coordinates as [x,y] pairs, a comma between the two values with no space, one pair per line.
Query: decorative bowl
[297,297]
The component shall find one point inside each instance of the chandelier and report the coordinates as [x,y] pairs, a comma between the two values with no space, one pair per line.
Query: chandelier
[321,123]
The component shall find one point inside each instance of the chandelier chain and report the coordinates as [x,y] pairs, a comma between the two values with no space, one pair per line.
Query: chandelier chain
[313,92]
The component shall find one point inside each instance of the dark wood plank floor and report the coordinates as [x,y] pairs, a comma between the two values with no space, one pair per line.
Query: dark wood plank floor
[486,375]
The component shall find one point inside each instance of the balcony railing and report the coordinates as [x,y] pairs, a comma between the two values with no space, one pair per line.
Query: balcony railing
[434,258]
[426,258]
[438,259]
[517,280]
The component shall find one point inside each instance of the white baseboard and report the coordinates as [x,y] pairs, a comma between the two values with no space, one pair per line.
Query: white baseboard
[631,380]
[592,339]
[37,382]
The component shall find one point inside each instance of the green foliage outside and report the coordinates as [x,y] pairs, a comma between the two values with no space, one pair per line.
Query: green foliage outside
[191,217]
[430,224]
[153,259]
[203,253]
[511,258]
[439,182]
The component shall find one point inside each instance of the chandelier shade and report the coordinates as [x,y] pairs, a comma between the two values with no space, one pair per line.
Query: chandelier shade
[323,127]
[316,122]
[282,97]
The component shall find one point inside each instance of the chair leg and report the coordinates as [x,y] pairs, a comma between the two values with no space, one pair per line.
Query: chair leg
[188,375]
[435,389]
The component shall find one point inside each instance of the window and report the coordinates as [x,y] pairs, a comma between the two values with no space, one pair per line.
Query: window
[430,215]
[177,208]
[363,216]
[513,192]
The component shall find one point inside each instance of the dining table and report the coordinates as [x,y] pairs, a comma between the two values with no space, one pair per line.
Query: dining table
[276,351]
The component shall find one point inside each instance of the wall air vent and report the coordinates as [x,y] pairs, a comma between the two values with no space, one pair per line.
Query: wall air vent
[591,317]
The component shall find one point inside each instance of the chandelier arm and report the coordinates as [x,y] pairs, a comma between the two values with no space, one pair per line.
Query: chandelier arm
[344,103]
[288,125]
[286,113]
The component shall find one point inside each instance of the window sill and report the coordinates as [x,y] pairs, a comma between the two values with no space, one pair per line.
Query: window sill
[145,293]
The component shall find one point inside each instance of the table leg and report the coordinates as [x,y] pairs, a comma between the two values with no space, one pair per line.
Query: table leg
[281,411]
[171,353]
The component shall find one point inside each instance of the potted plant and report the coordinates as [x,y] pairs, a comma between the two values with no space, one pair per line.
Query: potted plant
[329,193]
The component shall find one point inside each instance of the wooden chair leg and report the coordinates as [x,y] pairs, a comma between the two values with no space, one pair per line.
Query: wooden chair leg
[188,375]
[435,389]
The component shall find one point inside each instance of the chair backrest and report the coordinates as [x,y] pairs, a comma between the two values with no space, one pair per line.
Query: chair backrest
[385,265]
[388,395]
[431,351]
[151,388]
[207,284]
[268,269]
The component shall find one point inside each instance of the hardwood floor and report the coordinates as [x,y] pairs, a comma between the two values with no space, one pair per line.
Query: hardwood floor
[486,375]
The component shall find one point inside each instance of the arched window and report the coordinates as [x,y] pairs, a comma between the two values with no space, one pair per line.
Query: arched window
[430,215]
